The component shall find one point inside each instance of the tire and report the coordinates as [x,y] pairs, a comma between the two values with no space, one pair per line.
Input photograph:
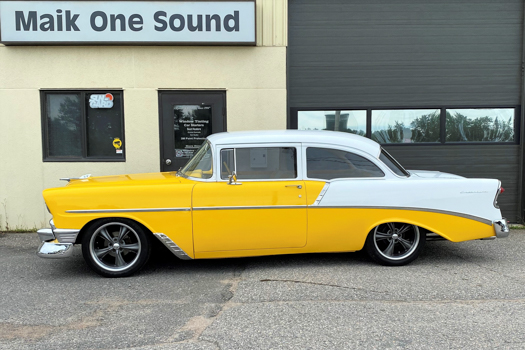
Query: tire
[116,247]
[395,243]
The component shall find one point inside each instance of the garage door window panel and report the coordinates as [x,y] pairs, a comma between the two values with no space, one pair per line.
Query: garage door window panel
[351,121]
[480,125]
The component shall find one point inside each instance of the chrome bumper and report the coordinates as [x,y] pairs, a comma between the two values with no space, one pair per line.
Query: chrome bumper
[50,250]
[501,228]
[56,250]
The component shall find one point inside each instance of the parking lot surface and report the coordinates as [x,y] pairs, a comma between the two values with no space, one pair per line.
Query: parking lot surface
[467,295]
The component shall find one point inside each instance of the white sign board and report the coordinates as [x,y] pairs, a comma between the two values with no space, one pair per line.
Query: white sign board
[127,22]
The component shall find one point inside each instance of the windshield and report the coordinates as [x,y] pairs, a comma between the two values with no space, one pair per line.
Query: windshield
[393,164]
[200,166]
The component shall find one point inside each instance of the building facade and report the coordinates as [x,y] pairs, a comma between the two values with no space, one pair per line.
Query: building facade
[440,85]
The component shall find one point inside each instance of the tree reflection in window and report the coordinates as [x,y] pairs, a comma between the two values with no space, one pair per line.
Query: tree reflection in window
[480,125]
[405,126]
[64,129]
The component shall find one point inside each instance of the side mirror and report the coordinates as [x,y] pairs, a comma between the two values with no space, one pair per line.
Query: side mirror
[232,179]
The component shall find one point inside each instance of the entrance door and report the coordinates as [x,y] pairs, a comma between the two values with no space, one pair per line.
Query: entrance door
[186,119]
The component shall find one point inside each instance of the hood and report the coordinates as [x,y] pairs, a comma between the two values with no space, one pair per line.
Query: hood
[425,174]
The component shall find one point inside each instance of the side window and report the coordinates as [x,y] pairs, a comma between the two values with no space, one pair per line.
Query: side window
[260,163]
[326,163]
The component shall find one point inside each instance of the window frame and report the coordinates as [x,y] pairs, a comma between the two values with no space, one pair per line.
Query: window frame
[387,172]
[298,154]
[83,127]
[292,122]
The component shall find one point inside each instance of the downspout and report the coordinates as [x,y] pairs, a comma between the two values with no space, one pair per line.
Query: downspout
[522,124]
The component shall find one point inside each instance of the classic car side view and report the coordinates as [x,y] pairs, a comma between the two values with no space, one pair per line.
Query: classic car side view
[265,193]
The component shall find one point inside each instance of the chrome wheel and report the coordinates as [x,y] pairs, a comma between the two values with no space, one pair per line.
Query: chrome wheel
[395,243]
[115,246]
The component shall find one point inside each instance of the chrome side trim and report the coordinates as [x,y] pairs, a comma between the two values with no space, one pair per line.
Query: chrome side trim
[501,228]
[49,250]
[137,210]
[65,235]
[45,234]
[321,194]
[252,207]
[439,211]
[179,253]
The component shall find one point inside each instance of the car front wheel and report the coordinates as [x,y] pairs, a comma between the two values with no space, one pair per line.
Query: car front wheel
[116,248]
[395,243]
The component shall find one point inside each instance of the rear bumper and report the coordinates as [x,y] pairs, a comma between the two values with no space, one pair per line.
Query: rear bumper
[501,228]
[56,242]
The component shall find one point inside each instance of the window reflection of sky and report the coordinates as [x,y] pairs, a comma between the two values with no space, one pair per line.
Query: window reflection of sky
[316,120]
[492,113]
[381,119]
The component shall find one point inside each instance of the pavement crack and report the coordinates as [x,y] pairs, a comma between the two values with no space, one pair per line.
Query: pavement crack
[192,331]
[323,284]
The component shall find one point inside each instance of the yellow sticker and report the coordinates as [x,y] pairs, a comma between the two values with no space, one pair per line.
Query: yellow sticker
[117,143]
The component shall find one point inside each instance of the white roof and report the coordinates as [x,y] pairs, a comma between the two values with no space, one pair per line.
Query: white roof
[297,136]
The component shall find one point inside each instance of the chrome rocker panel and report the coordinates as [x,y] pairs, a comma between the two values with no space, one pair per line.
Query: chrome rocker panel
[174,248]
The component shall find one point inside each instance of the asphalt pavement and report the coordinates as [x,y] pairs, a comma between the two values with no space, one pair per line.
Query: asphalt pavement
[467,295]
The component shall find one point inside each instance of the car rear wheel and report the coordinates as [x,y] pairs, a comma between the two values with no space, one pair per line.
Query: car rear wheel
[116,247]
[395,243]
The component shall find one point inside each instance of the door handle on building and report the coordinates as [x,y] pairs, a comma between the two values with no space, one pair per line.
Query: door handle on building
[168,161]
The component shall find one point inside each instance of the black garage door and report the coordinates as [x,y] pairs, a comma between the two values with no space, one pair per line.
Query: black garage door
[384,68]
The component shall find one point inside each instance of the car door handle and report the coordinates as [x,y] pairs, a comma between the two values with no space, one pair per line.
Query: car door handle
[298,186]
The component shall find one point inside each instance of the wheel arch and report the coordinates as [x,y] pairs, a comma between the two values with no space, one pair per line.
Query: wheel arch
[92,222]
[405,220]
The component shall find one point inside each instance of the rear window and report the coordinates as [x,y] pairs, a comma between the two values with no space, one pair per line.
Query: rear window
[393,164]
[327,163]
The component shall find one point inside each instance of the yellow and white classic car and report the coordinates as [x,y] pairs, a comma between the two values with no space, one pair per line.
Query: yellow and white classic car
[265,193]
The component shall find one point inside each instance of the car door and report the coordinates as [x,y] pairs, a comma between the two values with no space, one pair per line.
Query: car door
[264,208]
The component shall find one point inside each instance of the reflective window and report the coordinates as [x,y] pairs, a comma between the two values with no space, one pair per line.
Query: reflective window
[261,163]
[480,125]
[406,126]
[64,119]
[327,163]
[83,125]
[347,121]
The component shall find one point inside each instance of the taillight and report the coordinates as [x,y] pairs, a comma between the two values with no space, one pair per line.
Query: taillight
[498,192]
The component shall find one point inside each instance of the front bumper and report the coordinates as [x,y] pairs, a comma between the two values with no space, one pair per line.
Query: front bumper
[501,228]
[56,242]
